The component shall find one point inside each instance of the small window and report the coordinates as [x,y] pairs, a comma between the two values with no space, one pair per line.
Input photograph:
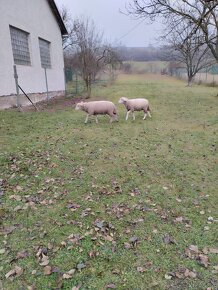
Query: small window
[44,47]
[20,46]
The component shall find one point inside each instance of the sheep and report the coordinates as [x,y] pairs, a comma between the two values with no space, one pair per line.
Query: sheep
[98,108]
[135,105]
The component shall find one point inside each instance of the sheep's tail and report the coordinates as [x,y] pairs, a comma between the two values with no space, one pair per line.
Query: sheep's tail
[115,111]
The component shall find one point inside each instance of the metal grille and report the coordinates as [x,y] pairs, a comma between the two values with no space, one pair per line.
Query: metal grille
[44,47]
[20,46]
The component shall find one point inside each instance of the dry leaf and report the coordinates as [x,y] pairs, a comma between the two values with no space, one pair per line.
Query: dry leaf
[108,238]
[2,251]
[178,219]
[111,286]
[167,277]
[127,246]
[213,250]
[44,260]
[17,271]
[76,287]
[190,274]
[47,270]
[168,239]
[67,276]
[194,249]
[10,273]
[141,269]
[203,260]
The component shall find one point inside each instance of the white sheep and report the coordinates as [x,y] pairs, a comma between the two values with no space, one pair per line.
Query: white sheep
[98,108]
[135,105]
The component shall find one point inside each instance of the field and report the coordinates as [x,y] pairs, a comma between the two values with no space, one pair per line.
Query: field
[127,205]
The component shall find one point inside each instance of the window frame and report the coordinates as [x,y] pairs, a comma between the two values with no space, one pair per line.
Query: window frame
[45,59]
[20,46]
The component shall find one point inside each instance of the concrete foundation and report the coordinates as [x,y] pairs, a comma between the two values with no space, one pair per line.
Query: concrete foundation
[10,101]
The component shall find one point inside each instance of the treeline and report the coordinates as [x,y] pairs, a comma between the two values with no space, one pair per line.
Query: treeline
[149,53]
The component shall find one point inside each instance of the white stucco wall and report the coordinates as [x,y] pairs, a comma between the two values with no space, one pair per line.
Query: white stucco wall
[36,18]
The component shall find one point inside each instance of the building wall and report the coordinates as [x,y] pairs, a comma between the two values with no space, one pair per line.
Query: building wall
[36,18]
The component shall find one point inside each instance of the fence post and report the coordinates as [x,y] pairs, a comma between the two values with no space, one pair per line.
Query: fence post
[46,82]
[17,86]
[76,83]
[65,84]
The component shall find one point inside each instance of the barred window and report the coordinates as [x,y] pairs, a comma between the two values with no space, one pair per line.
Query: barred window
[20,46]
[44,47]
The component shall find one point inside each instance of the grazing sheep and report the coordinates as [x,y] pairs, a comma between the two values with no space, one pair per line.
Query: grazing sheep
[98,108]
[135,105]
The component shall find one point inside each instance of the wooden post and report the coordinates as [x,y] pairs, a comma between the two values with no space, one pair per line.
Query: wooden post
[46,83]
[17,86]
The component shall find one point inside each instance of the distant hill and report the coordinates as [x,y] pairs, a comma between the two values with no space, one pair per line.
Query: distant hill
[149,53]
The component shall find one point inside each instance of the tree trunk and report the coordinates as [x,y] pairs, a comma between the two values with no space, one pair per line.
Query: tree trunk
[88,86]
[189,83]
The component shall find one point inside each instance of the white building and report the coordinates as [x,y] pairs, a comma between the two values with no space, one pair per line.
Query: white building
[31,38]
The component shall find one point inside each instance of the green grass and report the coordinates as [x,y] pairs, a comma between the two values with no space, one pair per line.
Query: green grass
[137,177]
[142,67]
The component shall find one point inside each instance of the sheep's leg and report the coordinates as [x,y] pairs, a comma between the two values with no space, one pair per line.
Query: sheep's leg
[96,119]
[127,115]
[116,118]
[145,115]
[87,117]
[149,114]
[133,116]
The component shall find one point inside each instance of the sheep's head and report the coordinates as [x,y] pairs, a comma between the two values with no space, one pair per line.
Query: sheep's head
[79,106]
[122,100]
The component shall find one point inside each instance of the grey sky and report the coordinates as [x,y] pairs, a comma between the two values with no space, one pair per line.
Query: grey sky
[115,25]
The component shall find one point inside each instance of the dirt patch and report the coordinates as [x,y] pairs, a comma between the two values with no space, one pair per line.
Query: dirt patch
[54,104]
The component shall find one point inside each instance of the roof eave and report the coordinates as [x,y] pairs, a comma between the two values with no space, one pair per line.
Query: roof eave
[58,17]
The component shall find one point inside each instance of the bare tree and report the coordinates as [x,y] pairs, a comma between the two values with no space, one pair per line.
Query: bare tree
[69,39]
[201,14]
[92,53]
[190,51]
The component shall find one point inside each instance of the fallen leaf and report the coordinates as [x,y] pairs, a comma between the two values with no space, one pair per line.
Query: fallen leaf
[8,230]
[44,260]
[190,274]
[210,219]
[213,250]
[133,240]
[168,239]
[16,272]
[67,276]
[76,287]
[194,249]
[141,269]
[10,273]
[167,277]
[178,219]
[127,246]
[108,238]
[22,255]
[111,286]
[203,260]
[80,266]
[47,270]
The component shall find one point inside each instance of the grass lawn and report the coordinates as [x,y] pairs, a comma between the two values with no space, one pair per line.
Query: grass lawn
[127,205]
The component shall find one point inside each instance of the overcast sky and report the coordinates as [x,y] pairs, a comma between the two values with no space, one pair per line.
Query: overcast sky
[118,28]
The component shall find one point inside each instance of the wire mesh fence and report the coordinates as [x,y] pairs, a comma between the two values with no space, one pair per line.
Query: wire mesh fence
[75,85]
